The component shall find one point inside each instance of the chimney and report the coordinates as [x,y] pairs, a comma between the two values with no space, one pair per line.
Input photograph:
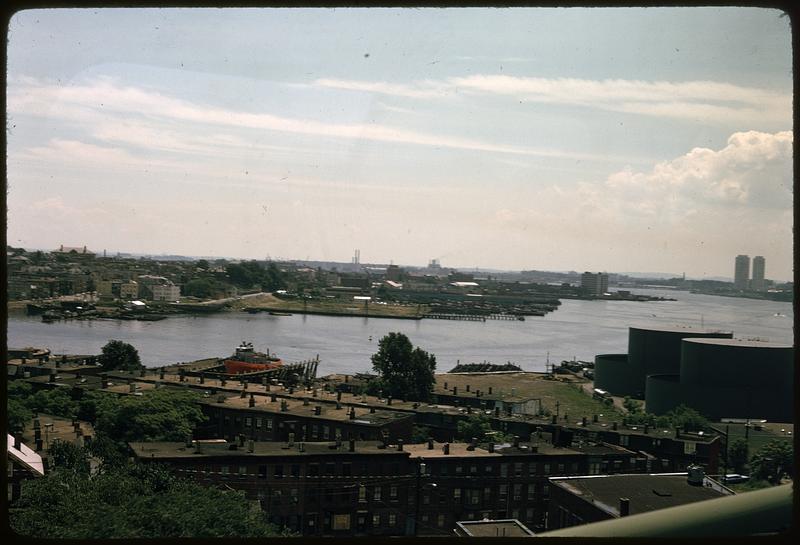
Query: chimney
[284,406]
[388,400]
[338,396]
[291,389]
[472,444]
[445,384]
[103,380]
[624,507]
[244,385]
[352,413]
[37,434]
[446,448]
[202,378]
[594,418]
[516,441]
[372,410]
[469,409]
[131,387]
[468,387]
[497,411]
[252,402]
[646,429]
[556,435]
[58,363]
[455,390]
[614,426]
[352,445]
[399,444]
[695,475]
[266,387]
[222,381]
[317,410]
[534,449]
[243,394]
[346,379]
[677,432]
[291,439]
[314,393]
[305,402]
[301,447]
[553,419]
[39,445]
[338,406]
[18,440]
[583,421]
[241,440]
[198,448]
[53,378]
[273,398]
[251,445]
[220,398]
[430,444]
[491,447]
[265,381]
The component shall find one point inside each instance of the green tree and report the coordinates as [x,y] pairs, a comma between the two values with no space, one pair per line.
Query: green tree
[69,456]
[773,461]
[157,415]
[404,371]
[202,264]
[18,415]
[420,434]
[133,502]
[476,425]
[200,287]
[738,455]
[56,402]
[274,279]
[631,405]
[118,355]
[686,417]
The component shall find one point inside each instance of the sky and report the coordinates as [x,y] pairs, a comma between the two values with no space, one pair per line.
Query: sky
[618,139]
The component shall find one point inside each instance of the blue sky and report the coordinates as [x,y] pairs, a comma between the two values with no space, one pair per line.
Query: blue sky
[586,139]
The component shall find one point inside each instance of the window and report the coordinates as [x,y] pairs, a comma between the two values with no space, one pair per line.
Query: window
[392,519]
[545,490]
[425,518]
[529,514]
[376,493]
[341,522]
[531,492]
[547,469]
[393,492]
[347,469]
[314,431]
[295,470]
[518,469]
[488,468]
[594,468]
[517,492]
[473,469]
[623,440]
[459,469]
[426,498]
[313,470]
[503,492]
[443,470]
[457,494]
[504,470]
[225,470]
[330,468]
[242,470]
[376,521]
[532,468]
[440,521]
[248,421]
[262,472]
[278,473]
[259,422]
[362,493]
[326,432]
[515,513]
[293,495]
[269,423]
[560,469]
[487,493]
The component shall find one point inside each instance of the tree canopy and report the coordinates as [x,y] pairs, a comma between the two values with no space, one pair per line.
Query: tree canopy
[404,371]
[134,501]
[119,356]
[477,426]
[773,461]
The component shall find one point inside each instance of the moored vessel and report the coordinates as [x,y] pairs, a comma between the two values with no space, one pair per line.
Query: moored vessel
[246,360]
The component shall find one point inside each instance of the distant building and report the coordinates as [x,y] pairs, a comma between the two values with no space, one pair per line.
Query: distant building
[492,528]
[757,283]
[23,464]
[165,292]
[129,290]
[581,500]
[741,276]
[594,284]
[74,251]
[394,273]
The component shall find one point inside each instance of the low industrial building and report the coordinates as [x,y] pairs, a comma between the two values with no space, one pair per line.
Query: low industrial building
[581,500]
[728,378]
[492,528]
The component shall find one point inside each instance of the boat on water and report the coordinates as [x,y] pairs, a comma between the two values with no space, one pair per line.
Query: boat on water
[277,313]
[246,360]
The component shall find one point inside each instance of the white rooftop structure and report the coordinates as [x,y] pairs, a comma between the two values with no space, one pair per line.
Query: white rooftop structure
[25,456]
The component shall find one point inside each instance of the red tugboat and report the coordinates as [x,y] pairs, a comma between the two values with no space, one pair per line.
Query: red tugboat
[247,360]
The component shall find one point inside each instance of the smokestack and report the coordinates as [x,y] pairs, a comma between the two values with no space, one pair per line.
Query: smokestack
[624,507]
[446,448]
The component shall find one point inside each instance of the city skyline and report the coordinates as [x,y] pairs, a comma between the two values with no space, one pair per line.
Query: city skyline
[307,133]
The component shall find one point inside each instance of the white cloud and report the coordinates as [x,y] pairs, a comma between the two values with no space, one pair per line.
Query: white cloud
[125,103]
[702,100]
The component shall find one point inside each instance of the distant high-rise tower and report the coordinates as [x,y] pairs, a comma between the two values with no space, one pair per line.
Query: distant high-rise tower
[594,284]
[357,257]
[757,284]
[741,277]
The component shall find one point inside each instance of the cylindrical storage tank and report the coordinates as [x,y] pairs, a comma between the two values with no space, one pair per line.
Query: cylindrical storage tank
[657,351]
[613,373]
[735,362]
[664,393]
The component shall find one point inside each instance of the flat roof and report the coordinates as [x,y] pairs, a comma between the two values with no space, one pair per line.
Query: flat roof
[679,329]
[280,449]
[494,528]
[743,343]
[645,492]
[296,407]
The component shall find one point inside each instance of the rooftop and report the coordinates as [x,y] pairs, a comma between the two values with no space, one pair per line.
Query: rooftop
[679,329]
[645,492]
[743,343]
[493,528]
[164,450]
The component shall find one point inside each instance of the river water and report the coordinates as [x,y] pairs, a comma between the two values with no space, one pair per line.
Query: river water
[578,329]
